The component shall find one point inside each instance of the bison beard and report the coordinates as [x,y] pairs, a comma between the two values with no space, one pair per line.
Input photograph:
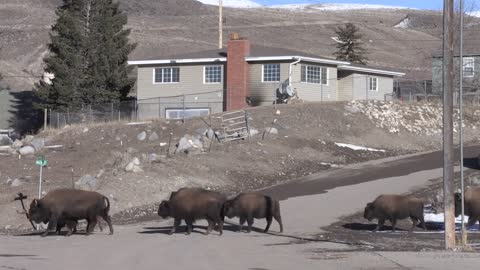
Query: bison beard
[67,206]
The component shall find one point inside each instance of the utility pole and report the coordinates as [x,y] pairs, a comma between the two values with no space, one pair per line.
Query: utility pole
[448,160]
[220,24]
[460,129]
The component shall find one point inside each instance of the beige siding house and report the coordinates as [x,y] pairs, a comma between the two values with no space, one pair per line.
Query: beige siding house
[243,74]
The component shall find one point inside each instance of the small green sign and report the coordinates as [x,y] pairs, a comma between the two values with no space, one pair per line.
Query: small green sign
[41,161]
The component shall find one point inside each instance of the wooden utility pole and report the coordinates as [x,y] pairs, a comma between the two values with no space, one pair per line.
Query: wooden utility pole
[448,160]
[220,24]
[460,129]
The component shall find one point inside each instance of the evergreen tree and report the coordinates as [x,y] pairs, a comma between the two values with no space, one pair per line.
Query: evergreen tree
[349,46]
[89,52]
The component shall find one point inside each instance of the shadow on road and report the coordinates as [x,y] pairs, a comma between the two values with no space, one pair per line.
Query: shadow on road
[199,229]
[16,255]
[431,226]
[471,163]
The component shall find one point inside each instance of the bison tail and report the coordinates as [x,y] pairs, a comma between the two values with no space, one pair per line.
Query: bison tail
[107,202]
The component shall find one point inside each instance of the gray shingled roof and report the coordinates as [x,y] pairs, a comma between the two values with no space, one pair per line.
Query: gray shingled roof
[255,51]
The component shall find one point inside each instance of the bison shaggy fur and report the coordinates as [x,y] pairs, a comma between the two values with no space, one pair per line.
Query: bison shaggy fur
[472,204]
[393,208]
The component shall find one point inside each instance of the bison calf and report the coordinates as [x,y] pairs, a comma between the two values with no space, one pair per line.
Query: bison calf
[248,206]
[191,204]
[394,207]
[472,204]
[67,206]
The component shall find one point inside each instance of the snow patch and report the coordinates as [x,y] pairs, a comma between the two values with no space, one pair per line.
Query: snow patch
[335,7]
[404,24]
[356,147]
[439,218]
[232,3]
[474,14]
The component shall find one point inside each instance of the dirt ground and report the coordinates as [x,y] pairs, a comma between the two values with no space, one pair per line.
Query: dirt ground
[305,144]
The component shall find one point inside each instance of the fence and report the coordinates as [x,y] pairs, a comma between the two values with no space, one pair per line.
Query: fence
[171,107]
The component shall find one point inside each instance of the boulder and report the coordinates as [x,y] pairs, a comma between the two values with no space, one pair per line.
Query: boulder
[16,183]
[86,182]
[253,131]
[28,139]
[153,137]
[189,143]
[142,136]
[17,144]
[352,109]
[210,134]
[27,150]
[38,144]
[271,130]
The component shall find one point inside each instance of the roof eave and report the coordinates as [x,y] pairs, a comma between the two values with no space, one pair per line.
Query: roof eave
[294,57]
[371,70]
[176,61]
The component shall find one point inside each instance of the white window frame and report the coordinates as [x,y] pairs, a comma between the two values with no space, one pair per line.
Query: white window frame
[205,74]
[370,84]
[279,73]
[155,70]
[305,80]
[472,65]
[167,110]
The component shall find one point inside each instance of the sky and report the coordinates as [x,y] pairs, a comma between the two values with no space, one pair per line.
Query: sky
[420,4]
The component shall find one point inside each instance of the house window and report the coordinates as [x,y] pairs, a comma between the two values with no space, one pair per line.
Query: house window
[271,72]
[167,75]
[314,74]
[187,113]
[373,84]
[468,67]
[212,74]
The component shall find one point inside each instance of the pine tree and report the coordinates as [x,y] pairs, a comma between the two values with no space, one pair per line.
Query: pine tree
[89,52]
[349,46]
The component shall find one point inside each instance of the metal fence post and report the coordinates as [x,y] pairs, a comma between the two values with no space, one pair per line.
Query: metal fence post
[159,108]
[58,120]
[183,108]
[45,117]
[111,112]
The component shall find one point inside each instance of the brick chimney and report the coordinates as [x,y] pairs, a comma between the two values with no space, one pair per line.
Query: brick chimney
[237,73]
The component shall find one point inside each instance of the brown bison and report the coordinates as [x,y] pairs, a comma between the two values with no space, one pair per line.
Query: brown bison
[248,206]
[192,204]
[67,206]
[394,207]
[472,204]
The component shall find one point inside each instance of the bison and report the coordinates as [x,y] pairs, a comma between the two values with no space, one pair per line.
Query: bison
[67,206]
[394,207]
[472,204]
[248,206]
[192,204]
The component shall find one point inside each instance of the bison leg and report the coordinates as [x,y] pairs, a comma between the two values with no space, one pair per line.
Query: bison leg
[278,218]
[414,224]
[189,226]
[107,219]
[394,223]
[52,225]
[92,221]
[176,223]
[380,224]
[240,226]
[211,223]
[471,221]
[269,222]
[72,227]
[249,223]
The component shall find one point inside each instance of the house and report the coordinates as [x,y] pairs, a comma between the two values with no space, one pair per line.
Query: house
[227,79]
[471,74]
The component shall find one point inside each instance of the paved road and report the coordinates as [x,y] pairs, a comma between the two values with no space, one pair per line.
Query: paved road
[309,204]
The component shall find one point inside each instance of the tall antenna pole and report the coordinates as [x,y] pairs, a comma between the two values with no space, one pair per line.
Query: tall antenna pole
[460,128]
[448,159]
[220,24]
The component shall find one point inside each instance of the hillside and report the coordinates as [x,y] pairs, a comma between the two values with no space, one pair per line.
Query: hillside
[171,27]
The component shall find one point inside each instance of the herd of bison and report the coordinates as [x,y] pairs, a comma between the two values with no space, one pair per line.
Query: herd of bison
[65,207]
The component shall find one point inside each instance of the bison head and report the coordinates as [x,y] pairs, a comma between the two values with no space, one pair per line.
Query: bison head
[229,209]
[369,211]
[164,209]
[38,212]
[458,204]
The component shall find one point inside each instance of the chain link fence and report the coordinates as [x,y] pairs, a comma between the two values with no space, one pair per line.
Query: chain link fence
[171,107]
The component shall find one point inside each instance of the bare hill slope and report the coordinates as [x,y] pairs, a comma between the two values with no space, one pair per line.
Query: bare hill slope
[170,27]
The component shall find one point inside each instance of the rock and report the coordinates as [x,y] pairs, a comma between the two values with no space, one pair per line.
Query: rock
[134,166]
[253,131]
[129,167]
[137,169]
[27,150]
[152,157]
[136,161]
[142,136]
[8,227]
[189,143]
[201,131]
[351,109]
[85,130]
[17,144]
[38,144]
[100,173]
[66,126]
[86,182]
[271,130]
[163,143]
[16,183]
[28,139]
[153,137]
[277,112]
[210,134]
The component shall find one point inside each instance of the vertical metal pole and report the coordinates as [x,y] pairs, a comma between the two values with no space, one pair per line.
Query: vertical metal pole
[111,111]
[183,108]
[220,24]
[448,159]
[366,87]
[58,120]
[159,108]
[425,89]
[45,117]
[321,92]
[40,182]
[462,183]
